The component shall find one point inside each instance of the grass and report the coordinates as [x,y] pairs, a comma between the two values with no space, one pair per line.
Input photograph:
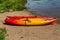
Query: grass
[2,33]
[12,5]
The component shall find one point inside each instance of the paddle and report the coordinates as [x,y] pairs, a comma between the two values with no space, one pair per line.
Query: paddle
[27,20]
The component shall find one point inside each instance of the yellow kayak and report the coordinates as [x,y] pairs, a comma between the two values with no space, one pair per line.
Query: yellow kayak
[30,20]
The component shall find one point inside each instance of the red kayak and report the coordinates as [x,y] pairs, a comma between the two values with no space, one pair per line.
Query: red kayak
[30,20]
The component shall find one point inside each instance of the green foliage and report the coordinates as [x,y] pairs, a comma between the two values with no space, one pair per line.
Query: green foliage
[7,5]
[2,33]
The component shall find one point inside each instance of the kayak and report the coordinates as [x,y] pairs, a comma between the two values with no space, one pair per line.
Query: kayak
[30,20]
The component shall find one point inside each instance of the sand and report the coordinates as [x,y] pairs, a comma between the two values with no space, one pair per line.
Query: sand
[48,32]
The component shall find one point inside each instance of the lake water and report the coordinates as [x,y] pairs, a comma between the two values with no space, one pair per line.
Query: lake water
[44,7]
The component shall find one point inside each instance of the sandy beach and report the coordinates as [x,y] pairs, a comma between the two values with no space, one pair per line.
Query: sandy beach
[48,32]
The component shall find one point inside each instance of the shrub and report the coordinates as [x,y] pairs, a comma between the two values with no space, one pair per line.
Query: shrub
[2,33]
[7,5]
